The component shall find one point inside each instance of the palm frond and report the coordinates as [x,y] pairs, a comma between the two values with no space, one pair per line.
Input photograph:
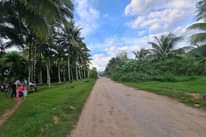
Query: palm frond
[199,52]
[155,46]
[46,8]
[38,25]
[201,12]
[198,38]
[200,26]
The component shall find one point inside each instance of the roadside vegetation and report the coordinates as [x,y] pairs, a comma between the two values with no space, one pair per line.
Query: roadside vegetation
[6,103]
[52,112]
[166,69]
[50,54]
[50,46]
[191,92]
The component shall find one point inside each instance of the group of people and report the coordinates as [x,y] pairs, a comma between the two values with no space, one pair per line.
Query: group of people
[20,89]
[15,89]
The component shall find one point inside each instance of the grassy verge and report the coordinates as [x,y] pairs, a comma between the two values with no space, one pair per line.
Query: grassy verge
[50,112]
[191,92]
[5,103]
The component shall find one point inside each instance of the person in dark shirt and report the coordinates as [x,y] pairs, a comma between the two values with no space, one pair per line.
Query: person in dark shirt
[13,93]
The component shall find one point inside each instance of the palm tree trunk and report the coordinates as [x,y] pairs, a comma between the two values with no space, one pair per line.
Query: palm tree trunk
[69,69]
[48,73]
[76,72]
[35,63]
[40,69]
[80,75]
[64,74]
[84,71]
[29,66]
[87,72]
[59,73]
[72,73]
[40,76]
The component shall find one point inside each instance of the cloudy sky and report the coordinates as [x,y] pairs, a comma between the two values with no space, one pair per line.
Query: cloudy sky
[112,26]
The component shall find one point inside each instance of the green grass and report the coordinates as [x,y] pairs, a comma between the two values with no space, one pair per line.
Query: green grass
[5,103]
[50,112]
[180,90]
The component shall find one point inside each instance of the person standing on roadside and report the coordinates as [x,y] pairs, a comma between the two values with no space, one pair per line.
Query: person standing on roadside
[13,86]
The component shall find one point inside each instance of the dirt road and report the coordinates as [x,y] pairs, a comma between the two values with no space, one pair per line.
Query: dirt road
[114,110]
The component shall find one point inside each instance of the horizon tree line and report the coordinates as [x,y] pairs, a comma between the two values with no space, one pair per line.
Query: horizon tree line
[164,58]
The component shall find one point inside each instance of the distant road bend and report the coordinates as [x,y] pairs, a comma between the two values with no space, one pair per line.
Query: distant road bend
[114,110]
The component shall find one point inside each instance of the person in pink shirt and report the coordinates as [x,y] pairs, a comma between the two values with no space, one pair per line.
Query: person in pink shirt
[20,89]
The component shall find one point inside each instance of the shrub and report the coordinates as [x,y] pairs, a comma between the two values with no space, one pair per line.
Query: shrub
[160,70]
[93,73]
[164,77]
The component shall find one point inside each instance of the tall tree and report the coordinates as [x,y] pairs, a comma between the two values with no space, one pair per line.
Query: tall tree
[46,33]
[164,46]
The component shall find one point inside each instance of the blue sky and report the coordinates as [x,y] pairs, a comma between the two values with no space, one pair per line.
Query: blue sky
[112,26]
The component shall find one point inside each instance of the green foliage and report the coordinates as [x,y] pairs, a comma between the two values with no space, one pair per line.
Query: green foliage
[161,70]
[139,77]
[45,32]
[142,54]
[52,112]
[163,47]
[199,51]
[189,90]
[6,103]
[12,66]
[161,63]
[201,10]
[93,73]
[200,37]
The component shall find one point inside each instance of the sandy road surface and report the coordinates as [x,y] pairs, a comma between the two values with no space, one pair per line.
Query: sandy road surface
[114,110]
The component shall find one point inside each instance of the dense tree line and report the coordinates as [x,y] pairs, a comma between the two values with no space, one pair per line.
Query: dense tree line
[51,46]
[163,61]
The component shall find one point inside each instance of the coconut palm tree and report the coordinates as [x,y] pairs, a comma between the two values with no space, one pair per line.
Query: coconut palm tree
[164,46]
[142,54]
[70,47]
[13,65]
[200,37]
[201,10]
[31,17]
[63,39]
[45,31]
[34,15]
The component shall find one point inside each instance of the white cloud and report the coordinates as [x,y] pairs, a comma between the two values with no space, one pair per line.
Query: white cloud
[100,61]
[160,15]
[152,17]
[86,16]
[111,47]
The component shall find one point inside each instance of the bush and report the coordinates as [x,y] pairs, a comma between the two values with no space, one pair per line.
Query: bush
[160,70]
[93,73]
[139,77]
[135,77]
[164,77]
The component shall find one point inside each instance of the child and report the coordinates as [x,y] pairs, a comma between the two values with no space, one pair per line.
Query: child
[25,92]
[20,90]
